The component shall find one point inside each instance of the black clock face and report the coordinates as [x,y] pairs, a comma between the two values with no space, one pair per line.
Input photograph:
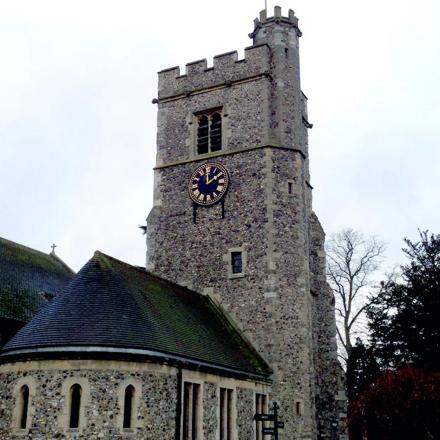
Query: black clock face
[208,184]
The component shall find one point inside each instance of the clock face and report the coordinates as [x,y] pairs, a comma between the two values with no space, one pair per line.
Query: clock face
[208,184]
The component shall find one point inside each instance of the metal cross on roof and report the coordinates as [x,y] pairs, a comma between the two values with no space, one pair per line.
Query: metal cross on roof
[53,248]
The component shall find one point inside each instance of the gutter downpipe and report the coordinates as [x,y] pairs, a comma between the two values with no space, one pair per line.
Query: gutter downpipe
[179,402]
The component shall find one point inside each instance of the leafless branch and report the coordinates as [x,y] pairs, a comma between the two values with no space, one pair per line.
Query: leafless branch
[351,260]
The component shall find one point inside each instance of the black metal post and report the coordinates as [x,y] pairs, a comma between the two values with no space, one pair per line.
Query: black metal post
[275,423]
[194,212]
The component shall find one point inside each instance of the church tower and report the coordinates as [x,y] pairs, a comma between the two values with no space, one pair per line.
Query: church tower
[232,215]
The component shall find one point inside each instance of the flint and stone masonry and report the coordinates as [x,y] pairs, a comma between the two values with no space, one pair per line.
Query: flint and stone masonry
[102,385]
[282,303]
[279,301]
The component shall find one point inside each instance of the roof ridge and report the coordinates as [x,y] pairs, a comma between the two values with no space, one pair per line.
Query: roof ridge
[41,253]
[24,246]
[99,253]
[147,272]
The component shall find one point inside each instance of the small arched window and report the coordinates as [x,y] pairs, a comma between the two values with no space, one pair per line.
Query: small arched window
[209,133]
[128,407]
[75,405]
[24,406]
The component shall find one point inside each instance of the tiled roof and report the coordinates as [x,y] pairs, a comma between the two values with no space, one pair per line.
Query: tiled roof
[112,306]
[28,278]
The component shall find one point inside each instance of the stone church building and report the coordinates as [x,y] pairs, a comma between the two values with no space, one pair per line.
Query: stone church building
[232,311]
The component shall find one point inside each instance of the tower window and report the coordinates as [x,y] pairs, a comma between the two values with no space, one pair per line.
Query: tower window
[24,406]
[209,132]
[191,411]
[75,405]
[226,417]
[236,259]
[128,407]
[237,262]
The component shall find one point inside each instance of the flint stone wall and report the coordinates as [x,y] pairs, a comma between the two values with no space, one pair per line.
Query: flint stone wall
[102,383]
[265,149]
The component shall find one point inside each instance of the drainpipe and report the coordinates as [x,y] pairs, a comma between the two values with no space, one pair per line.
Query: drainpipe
[179,403]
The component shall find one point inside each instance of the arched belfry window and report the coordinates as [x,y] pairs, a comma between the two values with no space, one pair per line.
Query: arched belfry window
[24,406]
[128,406]
[215,132]
[209,132]
[75,405]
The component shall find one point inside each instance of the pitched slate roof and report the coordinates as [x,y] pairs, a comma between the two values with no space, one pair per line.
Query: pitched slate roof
[111,306]
[28,278]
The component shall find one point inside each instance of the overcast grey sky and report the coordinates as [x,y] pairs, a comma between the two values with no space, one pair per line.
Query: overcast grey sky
[77,127]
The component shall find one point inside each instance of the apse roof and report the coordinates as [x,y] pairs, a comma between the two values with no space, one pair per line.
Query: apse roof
[113,307]
[28,279]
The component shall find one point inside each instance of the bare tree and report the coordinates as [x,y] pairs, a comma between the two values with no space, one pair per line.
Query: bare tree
[351,260]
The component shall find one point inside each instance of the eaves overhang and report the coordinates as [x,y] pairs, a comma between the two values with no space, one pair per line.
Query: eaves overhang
[129,354]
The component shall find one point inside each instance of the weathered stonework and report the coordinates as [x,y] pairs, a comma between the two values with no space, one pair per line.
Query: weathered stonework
[102,382]
[282,302]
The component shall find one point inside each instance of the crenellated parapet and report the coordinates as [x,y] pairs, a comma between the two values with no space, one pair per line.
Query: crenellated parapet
[278,17]
[227,69]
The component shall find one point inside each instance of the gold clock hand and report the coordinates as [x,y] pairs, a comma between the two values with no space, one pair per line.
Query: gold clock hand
[208,181]
[214,178]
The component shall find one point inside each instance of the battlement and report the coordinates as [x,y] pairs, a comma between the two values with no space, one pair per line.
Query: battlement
[277,16]
[227,68]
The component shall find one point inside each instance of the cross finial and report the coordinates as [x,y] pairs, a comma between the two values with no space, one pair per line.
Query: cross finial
[53,249]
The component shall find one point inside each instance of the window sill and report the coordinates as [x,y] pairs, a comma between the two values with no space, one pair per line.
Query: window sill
[234,276]
[208,155]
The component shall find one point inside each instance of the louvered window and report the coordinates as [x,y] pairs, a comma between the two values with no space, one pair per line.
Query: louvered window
[209,133]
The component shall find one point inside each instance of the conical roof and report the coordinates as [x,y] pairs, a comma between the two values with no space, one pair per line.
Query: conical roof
[113,307]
